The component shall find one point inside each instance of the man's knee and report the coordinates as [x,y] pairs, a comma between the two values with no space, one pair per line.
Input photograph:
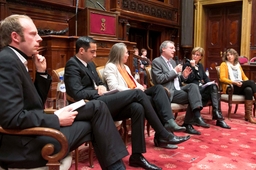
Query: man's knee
[193,87]
[137,110]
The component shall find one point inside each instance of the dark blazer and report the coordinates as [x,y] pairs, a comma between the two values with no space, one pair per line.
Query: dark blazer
[22,104]
[82,88]
[198,75]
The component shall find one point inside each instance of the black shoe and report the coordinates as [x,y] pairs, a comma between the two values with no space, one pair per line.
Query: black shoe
[199,122]
[172,126]
[223,124]
[172,139]
[138,160]
[164,145]
[217,115]
[190,129]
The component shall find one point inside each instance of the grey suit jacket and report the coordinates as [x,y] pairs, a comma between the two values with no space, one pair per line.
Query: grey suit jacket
[161,74]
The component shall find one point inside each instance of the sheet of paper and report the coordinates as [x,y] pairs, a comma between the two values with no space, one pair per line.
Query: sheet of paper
[208,84]
[74,106]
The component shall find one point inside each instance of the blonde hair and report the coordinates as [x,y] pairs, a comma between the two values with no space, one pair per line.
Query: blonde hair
[116,53]
[198,49]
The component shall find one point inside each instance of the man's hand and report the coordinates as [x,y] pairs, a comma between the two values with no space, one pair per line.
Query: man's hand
[67,117]
[186,72]
[178,68]
[101,89]
[40,63]
[141,88]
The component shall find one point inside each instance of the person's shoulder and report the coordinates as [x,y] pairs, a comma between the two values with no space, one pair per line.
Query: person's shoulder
[109,66]
[70,62]
[223,64]
[72,59]
[6,54]
[127,67]
[156,59]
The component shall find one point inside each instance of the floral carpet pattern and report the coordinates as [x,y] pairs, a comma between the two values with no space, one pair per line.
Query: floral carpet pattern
[215,149]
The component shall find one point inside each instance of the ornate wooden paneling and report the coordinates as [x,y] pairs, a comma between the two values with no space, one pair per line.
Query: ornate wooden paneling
[49,16]
[253,31]
[158,13]
[253,26]
[250,71]
[223,32]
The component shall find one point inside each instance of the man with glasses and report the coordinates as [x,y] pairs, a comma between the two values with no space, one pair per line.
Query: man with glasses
[166,72]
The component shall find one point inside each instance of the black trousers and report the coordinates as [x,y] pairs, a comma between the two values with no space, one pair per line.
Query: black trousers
[247,89]
[189,94]
[93,122]
[134,104]
[161,102]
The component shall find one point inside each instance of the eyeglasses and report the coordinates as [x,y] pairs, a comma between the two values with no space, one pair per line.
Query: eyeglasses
[196,54]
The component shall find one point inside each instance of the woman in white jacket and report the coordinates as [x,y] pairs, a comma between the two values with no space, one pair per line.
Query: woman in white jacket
[118,76]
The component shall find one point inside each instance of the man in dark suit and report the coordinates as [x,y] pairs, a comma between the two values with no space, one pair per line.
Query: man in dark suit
[166,72]
[22,106]
[83,82]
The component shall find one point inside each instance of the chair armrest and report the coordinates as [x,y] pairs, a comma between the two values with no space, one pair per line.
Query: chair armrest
[229,91]
[48,149]
[167,91]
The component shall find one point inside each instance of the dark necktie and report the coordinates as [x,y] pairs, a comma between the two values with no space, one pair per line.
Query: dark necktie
[91,74]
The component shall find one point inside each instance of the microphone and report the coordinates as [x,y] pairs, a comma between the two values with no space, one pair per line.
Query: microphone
[176,59]
[187,60]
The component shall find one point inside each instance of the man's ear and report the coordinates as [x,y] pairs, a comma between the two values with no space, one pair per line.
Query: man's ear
[15,37]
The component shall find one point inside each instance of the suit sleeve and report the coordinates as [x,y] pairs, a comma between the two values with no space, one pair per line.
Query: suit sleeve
[78,84]
[205,77]
[21,106]
[161,75]
[43,85]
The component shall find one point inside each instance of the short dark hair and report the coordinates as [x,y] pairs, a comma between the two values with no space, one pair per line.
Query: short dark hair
[84,42]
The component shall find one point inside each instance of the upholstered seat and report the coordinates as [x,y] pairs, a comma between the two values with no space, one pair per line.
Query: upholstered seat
[229,97]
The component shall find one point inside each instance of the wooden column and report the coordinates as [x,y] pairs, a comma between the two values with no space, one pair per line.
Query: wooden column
[187,7]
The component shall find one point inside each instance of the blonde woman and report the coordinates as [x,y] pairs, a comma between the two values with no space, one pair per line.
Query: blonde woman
[118,76]
[209,93]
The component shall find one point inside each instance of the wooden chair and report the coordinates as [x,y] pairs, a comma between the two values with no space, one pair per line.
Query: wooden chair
[229,97]
[55,79]
[53,160]
[121,125]
[176,108]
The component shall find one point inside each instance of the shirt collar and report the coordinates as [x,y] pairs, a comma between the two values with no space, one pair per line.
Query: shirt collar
[22,59]
[84,63]
[165,59]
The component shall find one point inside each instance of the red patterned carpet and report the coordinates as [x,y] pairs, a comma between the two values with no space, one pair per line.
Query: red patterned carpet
[214,149]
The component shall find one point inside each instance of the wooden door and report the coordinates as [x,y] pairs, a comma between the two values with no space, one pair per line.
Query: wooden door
[223,31]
